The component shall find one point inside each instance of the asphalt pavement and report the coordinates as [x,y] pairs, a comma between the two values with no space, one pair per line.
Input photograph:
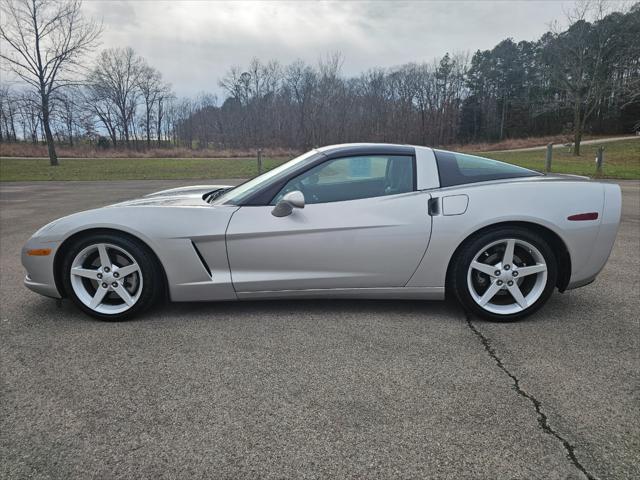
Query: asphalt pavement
[314,389]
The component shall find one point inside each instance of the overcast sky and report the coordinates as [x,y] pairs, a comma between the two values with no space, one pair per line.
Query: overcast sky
[193,43]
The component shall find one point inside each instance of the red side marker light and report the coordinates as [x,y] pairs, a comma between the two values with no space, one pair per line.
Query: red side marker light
[583,216]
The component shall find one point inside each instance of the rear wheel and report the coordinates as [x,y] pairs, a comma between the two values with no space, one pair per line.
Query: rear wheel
[504,274]
[111,277]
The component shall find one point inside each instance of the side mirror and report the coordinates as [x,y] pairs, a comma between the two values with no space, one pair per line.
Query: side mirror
[290,201]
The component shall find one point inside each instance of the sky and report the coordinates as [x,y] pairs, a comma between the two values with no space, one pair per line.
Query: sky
[193,43]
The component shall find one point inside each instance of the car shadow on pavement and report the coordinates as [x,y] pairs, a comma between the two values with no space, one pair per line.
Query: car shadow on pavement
[45,309]
[315,307]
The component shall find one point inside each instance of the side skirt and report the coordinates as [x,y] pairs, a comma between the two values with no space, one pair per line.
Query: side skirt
[421,293]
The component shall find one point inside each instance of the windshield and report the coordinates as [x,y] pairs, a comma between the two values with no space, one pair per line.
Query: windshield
[243,191]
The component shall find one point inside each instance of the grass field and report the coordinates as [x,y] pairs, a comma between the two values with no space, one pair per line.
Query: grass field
[29,169]
[622,160]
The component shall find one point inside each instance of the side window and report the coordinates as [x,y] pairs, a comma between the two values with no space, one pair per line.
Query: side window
[460,168]
[352,178]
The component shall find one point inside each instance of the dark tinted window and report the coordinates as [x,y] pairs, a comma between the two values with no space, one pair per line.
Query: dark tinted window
[460,168]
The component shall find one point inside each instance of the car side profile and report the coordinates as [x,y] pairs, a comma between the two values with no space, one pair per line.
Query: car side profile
[352,220]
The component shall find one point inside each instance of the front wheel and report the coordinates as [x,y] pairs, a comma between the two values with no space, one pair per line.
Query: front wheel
[504,274]
[111,277]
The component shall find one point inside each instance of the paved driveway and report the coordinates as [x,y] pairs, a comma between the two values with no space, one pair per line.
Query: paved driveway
[314,389]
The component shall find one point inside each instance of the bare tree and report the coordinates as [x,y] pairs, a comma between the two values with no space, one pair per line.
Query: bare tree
[165,96]
[237,84]
[300,83]
[45,41]
[580,58]
[29,115]
[101,107]
[67,111]
[588,73]
[150,85]
[114,81]
[8,104]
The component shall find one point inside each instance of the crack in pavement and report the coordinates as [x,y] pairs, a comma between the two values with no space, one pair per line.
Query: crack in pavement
[543,420]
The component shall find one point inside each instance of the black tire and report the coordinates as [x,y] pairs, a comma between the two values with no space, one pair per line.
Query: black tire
[471,247]
[152,276]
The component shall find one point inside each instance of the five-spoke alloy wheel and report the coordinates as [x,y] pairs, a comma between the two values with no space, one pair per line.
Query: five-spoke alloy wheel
[505,273]
[110,277]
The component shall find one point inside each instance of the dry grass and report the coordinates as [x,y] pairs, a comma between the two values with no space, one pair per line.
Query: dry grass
[29,150]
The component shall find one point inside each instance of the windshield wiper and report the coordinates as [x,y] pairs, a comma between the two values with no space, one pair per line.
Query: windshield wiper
[211,196]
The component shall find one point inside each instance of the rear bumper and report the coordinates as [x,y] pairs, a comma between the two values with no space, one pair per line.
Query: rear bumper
[605,239]
[581,283]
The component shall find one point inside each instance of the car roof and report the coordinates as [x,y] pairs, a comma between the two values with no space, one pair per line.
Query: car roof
[368,148]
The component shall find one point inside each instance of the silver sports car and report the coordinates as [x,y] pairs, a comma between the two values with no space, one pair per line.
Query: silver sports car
[355,220]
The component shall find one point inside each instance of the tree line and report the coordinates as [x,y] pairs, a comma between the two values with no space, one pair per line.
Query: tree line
[583,79]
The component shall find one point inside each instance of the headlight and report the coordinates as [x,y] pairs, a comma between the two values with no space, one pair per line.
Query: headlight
[45,228]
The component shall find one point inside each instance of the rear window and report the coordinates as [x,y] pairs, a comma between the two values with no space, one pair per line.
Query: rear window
[460,168]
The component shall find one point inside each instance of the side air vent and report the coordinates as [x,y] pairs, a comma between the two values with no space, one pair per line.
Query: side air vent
[204,264]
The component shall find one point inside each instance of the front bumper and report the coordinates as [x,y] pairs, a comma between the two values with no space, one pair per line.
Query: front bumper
[40,277]
[46,289]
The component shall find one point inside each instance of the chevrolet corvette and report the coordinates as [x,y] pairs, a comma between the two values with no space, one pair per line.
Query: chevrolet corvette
[355,220]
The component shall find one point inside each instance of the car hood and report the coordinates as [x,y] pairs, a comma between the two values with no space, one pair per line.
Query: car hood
[181,196]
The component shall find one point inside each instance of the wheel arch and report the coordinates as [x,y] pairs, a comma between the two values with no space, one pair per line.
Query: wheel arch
[556,243]
[66,244]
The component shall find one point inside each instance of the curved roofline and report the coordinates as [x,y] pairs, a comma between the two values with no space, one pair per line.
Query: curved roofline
[366,145]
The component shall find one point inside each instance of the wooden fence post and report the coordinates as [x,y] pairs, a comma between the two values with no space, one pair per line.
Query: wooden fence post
[599,160]
[259,161]
[547,163]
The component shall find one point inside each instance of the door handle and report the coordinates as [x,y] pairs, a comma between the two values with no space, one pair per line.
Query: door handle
[433,206]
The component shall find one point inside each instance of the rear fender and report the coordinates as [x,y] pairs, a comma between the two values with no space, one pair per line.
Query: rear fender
[606,236]
[546,204]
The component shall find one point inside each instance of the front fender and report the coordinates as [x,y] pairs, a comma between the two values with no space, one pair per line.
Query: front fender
[170,232]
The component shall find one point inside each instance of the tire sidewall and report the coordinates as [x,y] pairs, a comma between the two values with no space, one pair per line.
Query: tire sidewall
[473,245]
[141,255]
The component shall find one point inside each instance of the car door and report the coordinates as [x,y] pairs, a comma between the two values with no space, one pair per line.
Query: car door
[363,226]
